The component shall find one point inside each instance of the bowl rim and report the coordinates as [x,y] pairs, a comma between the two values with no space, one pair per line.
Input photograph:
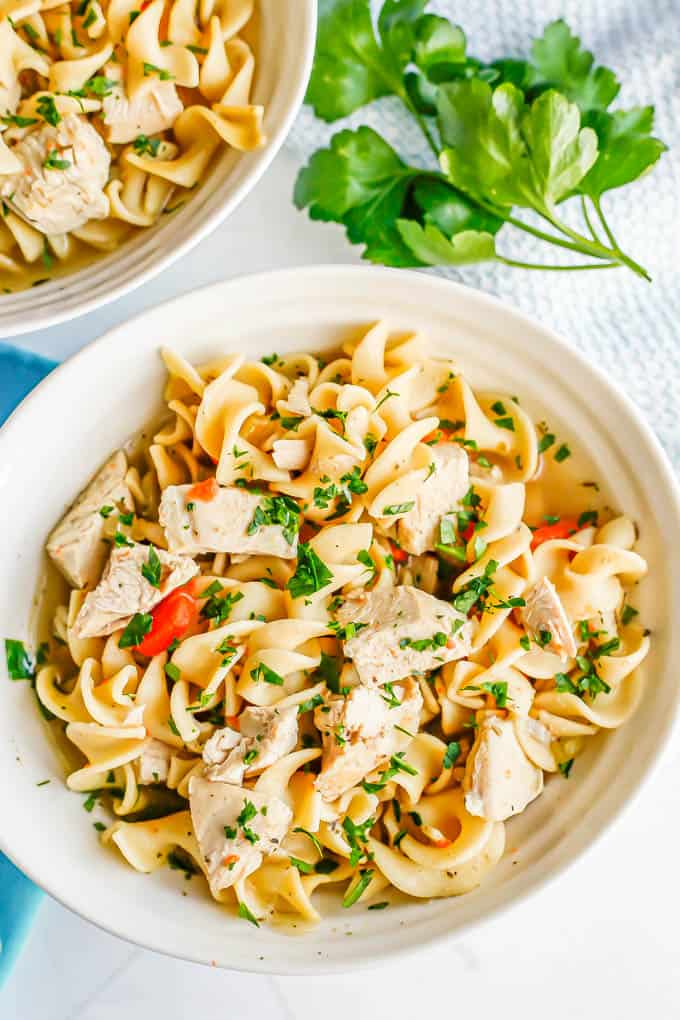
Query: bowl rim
[261,161]
[529,885]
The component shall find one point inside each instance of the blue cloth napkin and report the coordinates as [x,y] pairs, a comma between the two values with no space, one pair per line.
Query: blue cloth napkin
[20,371]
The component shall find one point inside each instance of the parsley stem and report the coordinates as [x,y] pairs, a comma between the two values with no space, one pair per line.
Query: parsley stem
[540,265]
[420,120]
[597,250]
[586,217]
[600,214]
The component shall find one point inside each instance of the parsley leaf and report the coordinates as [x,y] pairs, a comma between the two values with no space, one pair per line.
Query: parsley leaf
[151,570]
[19,661]
[138,627]
[277,510]
[311,573]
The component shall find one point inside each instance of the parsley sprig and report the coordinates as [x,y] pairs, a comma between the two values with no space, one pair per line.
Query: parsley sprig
[507,135]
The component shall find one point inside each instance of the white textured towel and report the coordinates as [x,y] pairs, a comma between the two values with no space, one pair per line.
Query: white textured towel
[625,325]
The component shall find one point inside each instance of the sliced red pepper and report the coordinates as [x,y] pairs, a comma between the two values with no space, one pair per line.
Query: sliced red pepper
[171,619]
[204,491]
[562,528]
[399,555]
[468,532]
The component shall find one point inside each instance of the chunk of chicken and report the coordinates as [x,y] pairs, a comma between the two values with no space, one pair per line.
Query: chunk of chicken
[359,733]
[65,170]
[291,454]
[76,545]
[296,401]
[153,764]
[124,590]
[400,631]
[418,530]
[219,525]
[544,614]
[266,734]
[155,107]
[499,778]
[224,817]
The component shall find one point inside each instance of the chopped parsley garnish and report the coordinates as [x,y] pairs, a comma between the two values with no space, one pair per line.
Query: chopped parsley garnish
[391,700]
[525,643]
[145,146]
[161,72]
[365,876]
[100,86]
[476,591]
[277,510]
[269,359]
[250,756]
[628,614]
[247,915]
[505,423]
[562,453]
[329,671]
[19,661]
[364,557]
[172,671]
[332,414]
[120,540]
[499,690]
[106,511]
[398,508]
[386,396]
[99,826]
[450,758]
[311,573]
[498,408]
[91,800]
[370,442]
[397,764]
[136,630]
[262,672]
[200,50]
[151,570]
[173,726]
[378,906]
[310,704]
[230,831]
[13,118]
[437,640]
[53,162]
[354,481]
[304,867]
[219,607]
[565,767]
[356,835]
[546,442]
[312,837]
[587,517]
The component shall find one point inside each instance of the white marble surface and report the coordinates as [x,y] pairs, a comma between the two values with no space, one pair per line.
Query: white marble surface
[601,942]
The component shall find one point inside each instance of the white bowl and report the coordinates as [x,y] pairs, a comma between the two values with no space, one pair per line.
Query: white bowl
[86,408]
[283,65]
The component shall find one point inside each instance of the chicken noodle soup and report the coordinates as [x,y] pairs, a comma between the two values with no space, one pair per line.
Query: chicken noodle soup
[315,634]
[110,114]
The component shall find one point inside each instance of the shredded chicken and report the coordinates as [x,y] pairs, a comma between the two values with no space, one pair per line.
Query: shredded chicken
[65,170]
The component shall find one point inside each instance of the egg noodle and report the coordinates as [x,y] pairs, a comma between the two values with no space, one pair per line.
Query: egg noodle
[110,114]
[327,648]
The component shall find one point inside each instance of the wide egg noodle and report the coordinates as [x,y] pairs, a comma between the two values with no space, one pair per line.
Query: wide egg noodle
[363,424]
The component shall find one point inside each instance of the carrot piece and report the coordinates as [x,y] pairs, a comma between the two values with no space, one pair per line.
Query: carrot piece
[205,491]
[469,531]
[562,528]
[399,555]
[171,619]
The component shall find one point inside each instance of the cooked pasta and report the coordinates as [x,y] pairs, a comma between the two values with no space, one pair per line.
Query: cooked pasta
[111,112]
[326,625]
